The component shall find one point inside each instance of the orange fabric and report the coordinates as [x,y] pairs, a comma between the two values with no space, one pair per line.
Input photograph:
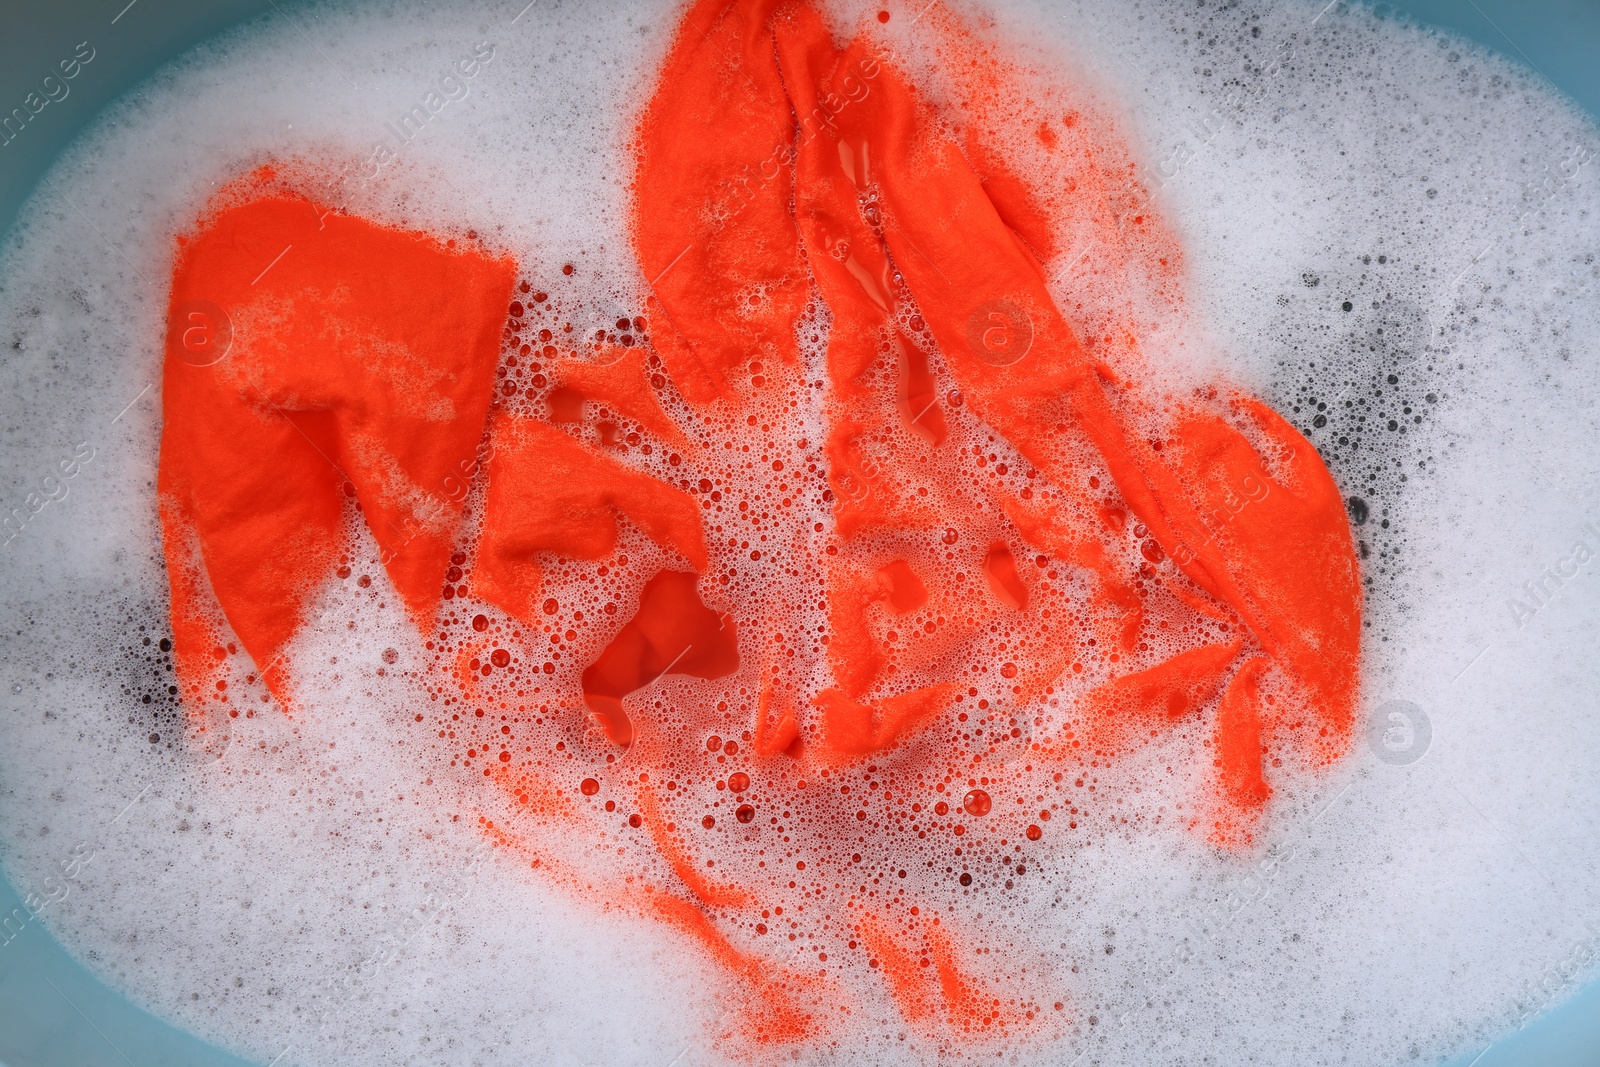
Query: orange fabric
[850,729]
[1238,744]
[710,893]
[699,132]
[1016,511]
[1170,690]
[673,633]
[550,494]
[907,981]
[1287,569]
[927,980]
[776,1018]
[775,734]
[359,373]
[618,379]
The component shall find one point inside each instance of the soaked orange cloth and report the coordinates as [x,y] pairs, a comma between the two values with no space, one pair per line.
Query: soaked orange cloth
[776,168]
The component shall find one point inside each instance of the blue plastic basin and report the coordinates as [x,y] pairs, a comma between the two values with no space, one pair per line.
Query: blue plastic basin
[53,1011]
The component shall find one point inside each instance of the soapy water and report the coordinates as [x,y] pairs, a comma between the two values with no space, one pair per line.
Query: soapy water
[1139,929]
[748,430]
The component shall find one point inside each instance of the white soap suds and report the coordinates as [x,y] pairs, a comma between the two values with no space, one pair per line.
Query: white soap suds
[1391,235]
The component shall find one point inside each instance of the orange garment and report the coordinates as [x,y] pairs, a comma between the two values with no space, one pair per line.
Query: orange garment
[1020,519]
[358,377]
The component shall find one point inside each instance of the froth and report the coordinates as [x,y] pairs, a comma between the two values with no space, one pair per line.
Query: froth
[1385,231]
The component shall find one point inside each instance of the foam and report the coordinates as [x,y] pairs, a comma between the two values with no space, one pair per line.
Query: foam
[278,891]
